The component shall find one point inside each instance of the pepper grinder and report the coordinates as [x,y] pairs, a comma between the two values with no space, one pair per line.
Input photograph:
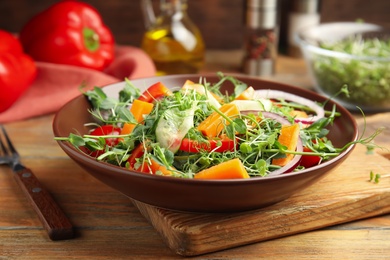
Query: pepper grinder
[261,37]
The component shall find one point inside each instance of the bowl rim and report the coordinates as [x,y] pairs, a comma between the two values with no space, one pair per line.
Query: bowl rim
[68,148]
[304,43]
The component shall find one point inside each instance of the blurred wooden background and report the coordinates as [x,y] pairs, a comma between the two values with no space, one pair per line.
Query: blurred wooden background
[221,21]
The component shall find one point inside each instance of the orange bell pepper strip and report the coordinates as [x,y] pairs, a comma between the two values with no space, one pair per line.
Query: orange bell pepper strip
[298,113]
[288,137]
[139,109]
[127,129]
[232,169]
[247,94]
[214,124]
[152,166]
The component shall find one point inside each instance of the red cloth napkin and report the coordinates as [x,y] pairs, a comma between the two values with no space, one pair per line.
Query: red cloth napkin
[57,84]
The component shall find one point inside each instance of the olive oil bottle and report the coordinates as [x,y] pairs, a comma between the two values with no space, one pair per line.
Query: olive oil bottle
[172,40]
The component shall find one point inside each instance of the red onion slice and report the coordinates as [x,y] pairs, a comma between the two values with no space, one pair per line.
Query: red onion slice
[277,94]
[270,115]
[292,164]
[297,158]
[276,117]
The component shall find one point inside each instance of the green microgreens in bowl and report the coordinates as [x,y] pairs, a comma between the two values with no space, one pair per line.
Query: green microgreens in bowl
[366,71]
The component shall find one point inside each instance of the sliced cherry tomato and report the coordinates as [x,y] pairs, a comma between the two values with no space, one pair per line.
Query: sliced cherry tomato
[103,130]
[309,160]
[154,92]
[137,152]
[153,167]
[107,130]
[218,145]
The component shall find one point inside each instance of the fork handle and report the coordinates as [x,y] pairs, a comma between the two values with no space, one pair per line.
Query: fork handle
[51,215]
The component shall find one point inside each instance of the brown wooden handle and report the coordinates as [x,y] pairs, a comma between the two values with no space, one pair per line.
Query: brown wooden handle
[51,215]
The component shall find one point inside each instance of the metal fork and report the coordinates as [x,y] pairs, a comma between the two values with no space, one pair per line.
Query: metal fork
[50,214]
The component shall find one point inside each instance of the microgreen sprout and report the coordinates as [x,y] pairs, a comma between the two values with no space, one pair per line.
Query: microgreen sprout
[376,177]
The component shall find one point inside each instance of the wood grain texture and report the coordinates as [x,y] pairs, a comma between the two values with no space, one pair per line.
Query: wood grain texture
[109,226]
[343,196]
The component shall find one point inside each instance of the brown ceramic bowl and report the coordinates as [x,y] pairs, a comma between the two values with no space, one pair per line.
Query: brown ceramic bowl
[201,195]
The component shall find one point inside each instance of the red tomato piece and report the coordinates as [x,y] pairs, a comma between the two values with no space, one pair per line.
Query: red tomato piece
[104,130]
[217,145]
[154,92]
[107,130]
[138,152]
[309,160]
[146,167]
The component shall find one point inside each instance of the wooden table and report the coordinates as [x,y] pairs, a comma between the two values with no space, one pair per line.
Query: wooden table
[109,226]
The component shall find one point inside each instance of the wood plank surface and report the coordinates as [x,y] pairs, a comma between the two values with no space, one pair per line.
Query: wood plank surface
[343,196]
[109,226]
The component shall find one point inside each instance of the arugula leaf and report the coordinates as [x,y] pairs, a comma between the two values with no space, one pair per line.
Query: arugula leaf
[129,93]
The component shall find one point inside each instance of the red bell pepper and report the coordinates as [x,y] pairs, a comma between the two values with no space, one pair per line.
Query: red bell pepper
[17,70]
[218,145]
[69,32]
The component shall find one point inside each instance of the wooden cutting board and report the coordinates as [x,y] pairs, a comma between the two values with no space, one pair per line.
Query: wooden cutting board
[343,196]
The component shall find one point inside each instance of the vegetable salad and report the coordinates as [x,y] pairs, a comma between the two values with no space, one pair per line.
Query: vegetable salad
[196,131]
